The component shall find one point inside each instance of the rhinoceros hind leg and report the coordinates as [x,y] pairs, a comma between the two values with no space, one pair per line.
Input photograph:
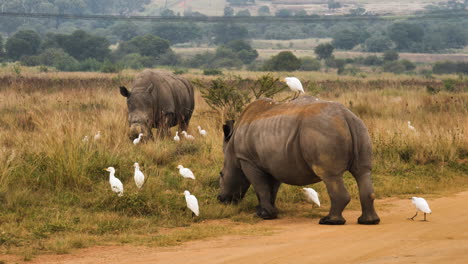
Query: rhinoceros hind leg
[367,196]
[339,198]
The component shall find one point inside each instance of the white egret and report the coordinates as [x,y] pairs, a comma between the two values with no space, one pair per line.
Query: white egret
[176,137]
[97,136]
[411,127]
[421,205]
[201,131]
[137,140]
[186,172]
[295,85]
[116,184]
[311,196]
[139,176]
[187,136]
[85,139]
[192,202]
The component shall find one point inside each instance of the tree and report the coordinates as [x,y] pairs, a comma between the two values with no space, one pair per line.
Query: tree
[310,64]
[284,13]
[177,32]
[332,5]
[390,55]
[167,13]
[263,11]
[23,43]
[301,12]
[348,38]
[2,53]
[378,43]
[125,30]
[80,45]
[147,45]
[283,61]
[223,33]
[228,11]
[405,35]
[243,13]
[357,11]
[243,50]
[324,51]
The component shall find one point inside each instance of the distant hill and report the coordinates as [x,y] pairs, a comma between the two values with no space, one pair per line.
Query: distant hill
[216,7]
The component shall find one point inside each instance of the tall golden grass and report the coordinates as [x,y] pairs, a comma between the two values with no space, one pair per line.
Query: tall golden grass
[55,195]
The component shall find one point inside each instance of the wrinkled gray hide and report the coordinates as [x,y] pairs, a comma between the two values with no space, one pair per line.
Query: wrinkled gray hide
[158,99]
[299,142]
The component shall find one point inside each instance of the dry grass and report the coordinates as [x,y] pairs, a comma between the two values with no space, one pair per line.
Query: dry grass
[56,197]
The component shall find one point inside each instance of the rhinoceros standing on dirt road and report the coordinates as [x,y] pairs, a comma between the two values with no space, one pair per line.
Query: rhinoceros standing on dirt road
[160,100]
[300,142]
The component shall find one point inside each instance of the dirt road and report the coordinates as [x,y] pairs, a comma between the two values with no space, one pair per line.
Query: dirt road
[444,239]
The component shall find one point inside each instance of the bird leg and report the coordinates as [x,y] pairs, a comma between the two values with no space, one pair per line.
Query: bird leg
[425,217]
[412,218]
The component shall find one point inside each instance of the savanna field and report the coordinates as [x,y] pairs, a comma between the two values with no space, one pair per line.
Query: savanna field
[55,195]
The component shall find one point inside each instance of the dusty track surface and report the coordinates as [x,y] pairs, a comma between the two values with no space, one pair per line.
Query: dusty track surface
[444,239]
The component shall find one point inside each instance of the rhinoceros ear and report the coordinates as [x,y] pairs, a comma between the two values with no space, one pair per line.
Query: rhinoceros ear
[228,128]
[124,92]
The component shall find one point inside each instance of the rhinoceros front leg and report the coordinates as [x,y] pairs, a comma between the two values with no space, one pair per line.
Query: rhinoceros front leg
[339,198]
[266,188]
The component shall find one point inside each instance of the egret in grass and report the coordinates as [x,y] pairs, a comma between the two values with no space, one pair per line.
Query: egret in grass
[85,139]
[97,136]
[186,172]
[201,131]
[116,184]
[187,136]
[138,176]
[311,196]
[295,85]
[421,205]
[192,203]
[176,137]
[137,140]
[411,127]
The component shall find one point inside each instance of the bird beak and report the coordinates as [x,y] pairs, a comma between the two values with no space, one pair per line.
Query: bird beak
[105,169]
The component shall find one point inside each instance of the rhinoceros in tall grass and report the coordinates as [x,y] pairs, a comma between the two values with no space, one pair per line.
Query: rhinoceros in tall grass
[300,142]
[158,99]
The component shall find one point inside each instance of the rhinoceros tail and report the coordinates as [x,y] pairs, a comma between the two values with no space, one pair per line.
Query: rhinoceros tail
[361,144]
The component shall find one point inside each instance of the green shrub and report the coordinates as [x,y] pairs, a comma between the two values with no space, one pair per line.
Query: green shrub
[394,66]
[372,60]
[449,67]
[283,61]
[409,66]
[212,72]
[109,67]
[310,64]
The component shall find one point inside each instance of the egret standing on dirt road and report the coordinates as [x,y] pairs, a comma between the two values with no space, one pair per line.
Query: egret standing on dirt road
[192,202]
[186,172]
[139,176]
[311,196]
[421,205]
[116,184]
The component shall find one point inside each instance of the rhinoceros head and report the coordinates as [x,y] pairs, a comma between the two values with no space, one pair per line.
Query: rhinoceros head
[232,181]
[140,111]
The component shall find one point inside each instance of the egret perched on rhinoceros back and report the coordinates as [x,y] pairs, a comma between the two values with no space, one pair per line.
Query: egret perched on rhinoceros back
[158,99]
[300,142]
